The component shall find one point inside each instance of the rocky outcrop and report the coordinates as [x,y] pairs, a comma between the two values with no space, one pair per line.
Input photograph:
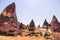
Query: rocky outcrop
[38,26]
[8,21]
[46,24]
[32,25]
[55,25]
[21,28]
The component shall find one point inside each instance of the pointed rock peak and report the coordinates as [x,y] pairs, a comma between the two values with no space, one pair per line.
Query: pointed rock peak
[45,23]
[11,7]
[32,24]
[38,26]
[53,15]
[54,19]
[32,20]
[12,4]
[10,10]
[45,20]
[8,21]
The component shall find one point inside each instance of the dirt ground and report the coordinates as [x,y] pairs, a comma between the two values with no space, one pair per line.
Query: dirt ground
[21,38]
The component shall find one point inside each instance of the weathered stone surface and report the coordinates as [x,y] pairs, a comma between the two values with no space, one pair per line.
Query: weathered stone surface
[46,24]
[32,25]
[21,28]
[8,21]
[55,25]
[38,26]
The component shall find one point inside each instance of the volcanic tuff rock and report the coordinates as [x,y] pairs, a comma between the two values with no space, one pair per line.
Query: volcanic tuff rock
[32,25]
[55,25]
[46,24]
[8,21]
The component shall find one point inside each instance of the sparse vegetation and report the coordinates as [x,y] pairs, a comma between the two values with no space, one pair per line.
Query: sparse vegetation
[41,34]
[33,34]
[47,36]
[12,29]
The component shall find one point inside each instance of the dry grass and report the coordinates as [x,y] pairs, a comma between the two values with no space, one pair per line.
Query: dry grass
[21,38]
[24,37]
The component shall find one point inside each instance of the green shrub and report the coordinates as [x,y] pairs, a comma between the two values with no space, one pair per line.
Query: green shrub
[33,34]
[41,34]
[36,35]
[47,36]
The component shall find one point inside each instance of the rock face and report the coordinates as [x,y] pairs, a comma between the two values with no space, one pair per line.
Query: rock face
[46,24]
[38,26]
[8,21]
[21,28]
[55,25]
[32,26]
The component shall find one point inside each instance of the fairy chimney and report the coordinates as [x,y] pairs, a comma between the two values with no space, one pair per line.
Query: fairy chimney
[46,24]
[32,25]
[55,25]
[8,21]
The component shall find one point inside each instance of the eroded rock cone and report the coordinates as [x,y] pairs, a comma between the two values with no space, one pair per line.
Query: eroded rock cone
[55,26]
[32,25]
[46,24]
[8,21]
[21,28]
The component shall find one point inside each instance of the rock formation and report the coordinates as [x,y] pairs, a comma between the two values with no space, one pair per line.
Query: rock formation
[8,21]
[55,25]
[21,28]
[46,24]
[38,26]
[32,26]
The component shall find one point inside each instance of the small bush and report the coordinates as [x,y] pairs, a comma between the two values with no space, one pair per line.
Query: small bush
[47,36]
[36,35]
[33,34]
[41,34]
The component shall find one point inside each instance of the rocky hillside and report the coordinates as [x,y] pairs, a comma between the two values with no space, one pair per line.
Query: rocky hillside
[10,26]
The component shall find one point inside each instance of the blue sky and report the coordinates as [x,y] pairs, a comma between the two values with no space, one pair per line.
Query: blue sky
[38,10]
